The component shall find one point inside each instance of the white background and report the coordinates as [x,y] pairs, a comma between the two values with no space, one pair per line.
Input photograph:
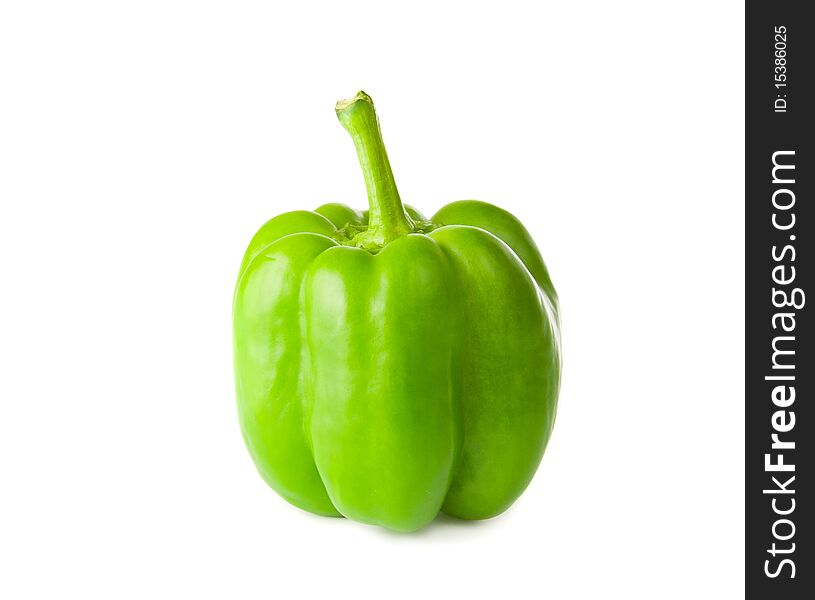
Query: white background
[141,145]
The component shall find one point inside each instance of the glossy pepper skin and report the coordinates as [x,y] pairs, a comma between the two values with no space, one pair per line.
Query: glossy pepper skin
[390,366]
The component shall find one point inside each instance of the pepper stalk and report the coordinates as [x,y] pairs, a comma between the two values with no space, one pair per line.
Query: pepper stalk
[387,219]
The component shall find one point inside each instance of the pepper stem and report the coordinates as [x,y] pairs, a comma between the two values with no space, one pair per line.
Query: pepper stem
[387,219]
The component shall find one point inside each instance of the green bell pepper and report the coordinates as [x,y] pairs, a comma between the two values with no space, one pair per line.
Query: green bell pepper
[390,366]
